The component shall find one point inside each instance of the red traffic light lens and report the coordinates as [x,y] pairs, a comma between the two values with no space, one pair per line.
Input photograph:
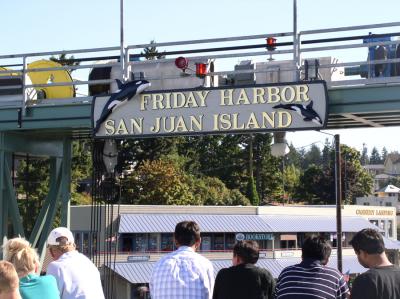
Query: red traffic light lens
[271,43]
[201,69]
[181,63]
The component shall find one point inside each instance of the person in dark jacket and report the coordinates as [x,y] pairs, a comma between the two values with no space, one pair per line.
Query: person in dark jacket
[244,279]
[382,280]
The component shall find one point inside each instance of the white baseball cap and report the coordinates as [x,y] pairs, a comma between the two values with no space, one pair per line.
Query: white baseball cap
[60,232]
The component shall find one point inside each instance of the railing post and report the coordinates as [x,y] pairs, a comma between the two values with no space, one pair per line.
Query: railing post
[24,73]
[296,43]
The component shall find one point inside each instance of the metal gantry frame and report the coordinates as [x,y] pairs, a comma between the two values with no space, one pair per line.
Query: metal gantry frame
[59,152]
[24,129]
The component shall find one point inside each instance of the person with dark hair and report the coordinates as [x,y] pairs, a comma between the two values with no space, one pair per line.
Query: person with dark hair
[312,278]
[244,279]
[183,274]
[382,280]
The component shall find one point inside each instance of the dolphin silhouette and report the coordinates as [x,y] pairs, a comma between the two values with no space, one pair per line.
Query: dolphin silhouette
[126,92]
[307,112]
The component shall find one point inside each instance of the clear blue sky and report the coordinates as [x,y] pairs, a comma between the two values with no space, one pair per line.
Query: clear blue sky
[44,25]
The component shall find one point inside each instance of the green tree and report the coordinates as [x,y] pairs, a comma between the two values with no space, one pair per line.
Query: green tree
[312,156]
[355,179]
[64,60]
[81,169]
[294,157]
[316,186]
[291,180]
[32,185]
[158,182]
[375,158]
[212,191]
[364,160]
[151,52]
[384,155]
[252,192]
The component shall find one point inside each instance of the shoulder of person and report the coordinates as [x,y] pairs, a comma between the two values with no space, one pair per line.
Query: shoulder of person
[367,276]
[48,278]
[333,270]
[224,271]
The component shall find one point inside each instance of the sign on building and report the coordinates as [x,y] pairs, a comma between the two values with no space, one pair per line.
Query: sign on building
[254,236]
[256,108]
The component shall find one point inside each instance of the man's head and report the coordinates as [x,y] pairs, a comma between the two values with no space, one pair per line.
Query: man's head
[316,248]
[187,233]
[9,282]
[245,252]
[60,241]
[20,253]
[368,243]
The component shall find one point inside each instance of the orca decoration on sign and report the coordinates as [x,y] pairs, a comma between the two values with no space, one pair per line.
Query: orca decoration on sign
[133,112]
[126,92]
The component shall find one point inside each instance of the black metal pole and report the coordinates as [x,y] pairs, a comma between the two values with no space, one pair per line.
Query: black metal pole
[338,185]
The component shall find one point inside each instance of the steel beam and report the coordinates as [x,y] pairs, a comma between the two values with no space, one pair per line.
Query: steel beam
[3,197]
[55,170]
[48,224]
[12,200]
[66,183]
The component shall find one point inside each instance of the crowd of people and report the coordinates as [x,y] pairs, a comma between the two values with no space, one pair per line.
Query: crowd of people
[70,274]
[185,274]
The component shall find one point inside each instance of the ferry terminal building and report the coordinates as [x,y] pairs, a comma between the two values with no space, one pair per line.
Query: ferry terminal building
[145,233]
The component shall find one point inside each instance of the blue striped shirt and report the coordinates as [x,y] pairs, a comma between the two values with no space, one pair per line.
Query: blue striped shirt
[310,280]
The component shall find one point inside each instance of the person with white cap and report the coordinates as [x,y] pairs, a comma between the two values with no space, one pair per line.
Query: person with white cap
[76,275]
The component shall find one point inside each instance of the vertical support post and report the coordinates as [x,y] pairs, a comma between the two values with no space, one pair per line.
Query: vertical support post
[273,245]
[122,56]
[12,203]
[51,196]
[338,187]
[296,42]
[24,74]
[66,183]
[48,225]
[3,197]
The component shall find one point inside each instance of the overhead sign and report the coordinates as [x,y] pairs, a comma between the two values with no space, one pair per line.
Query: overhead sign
[254,236]
[138,258]
[256,108]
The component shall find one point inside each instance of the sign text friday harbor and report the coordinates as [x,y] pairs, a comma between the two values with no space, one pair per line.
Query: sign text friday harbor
[290,106]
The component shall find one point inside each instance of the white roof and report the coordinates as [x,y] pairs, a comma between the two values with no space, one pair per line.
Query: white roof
[390,189]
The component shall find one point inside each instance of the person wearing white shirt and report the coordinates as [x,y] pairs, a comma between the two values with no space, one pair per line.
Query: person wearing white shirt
[183,274]
[77,277]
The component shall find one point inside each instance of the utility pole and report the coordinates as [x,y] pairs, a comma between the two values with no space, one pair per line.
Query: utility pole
[338,187]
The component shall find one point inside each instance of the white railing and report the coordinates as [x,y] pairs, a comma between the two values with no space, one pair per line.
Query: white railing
[349,45]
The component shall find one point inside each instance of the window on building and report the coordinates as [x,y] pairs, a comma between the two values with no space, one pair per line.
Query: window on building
[366,203]
[390,228]
[127,242]
[206,242]
[382,224]
[288,244]
[78,241]
[288,241]
[388,204]
[219,242]
[375,222]
[94,244]
[153,242]
[167,242]
[140,243]
[229,241]
[85,247]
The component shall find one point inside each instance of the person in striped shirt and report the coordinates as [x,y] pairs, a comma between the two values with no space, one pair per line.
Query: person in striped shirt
[312,279]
